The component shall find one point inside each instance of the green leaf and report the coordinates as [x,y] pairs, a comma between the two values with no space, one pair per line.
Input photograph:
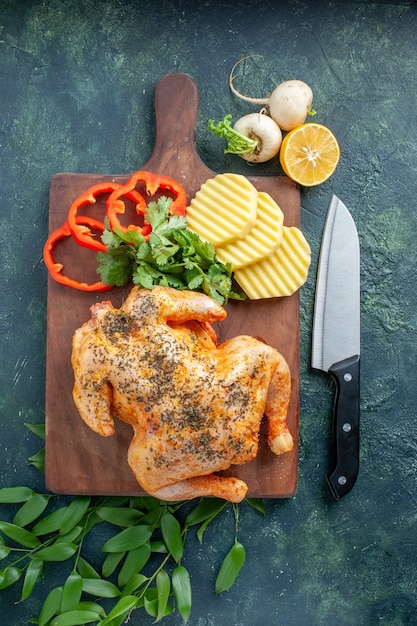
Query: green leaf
[4,550]
[71,536]
[159,546]
[37,429]
[50,523]
[74,513]
[9,576]
[257,504]
[114,269]
[116,501]
[86,570]
[181,585]
[153,517]
[20,535]
[33,573]
[128,539]
[134,582]
[230,568]
[31,510]
[100,588]
[132,237]
[134,562]
[206,508]
[110,563]
[143,277]
[56,553]
[150,604]
[15,495]
[157,213]
[75,618]
[109,238]
[145,503]
[120,516]
[71,593]
[163,587]
[171,534]
[85,605]
[38,460]
[143,252]
[51,606]
[194,279]
[121,608]
[203,527]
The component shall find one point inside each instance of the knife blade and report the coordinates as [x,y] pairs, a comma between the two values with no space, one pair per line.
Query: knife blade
[336,338]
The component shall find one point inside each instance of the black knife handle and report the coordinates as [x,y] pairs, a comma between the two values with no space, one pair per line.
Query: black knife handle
[345,426]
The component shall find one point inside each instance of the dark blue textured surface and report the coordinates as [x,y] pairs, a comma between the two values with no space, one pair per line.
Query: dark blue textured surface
[76,94]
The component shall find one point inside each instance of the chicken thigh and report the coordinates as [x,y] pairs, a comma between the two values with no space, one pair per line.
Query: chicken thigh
[195,407]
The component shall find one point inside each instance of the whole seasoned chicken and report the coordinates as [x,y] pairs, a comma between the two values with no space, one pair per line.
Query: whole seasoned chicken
[195,407]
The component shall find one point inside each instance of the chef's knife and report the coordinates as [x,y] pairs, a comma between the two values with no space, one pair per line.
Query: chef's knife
[336,337]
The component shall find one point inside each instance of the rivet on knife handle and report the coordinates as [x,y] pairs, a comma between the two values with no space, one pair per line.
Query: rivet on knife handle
[345,426]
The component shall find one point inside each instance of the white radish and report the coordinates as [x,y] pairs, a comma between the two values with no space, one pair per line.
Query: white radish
[264,131]
[289,104]
[255,137]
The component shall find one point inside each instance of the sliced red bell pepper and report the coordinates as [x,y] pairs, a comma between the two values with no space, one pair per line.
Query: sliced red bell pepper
[153,182]
[80,230]
[158,181]
[55,268]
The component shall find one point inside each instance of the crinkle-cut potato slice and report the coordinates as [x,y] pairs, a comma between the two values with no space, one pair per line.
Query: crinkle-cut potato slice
[223,209]
[262,239]
[282,273]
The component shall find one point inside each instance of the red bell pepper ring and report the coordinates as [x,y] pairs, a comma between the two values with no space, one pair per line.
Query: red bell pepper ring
[153,182]
[55,269]
[80,230]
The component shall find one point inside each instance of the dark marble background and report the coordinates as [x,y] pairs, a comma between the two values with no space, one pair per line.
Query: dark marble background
[76,94]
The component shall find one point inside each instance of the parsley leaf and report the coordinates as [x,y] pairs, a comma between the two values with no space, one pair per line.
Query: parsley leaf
[173,256]
[115,268]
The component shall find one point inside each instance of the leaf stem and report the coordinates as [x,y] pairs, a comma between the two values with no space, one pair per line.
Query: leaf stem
[236,512]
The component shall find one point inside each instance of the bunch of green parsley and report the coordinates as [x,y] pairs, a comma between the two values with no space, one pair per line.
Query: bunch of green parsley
[173,256]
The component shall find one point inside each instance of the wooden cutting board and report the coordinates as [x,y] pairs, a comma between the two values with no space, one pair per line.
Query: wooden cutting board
[79,461]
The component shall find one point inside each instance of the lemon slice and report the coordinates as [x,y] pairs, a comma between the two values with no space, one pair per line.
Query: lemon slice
[224,209]
[261,241]
[309,154]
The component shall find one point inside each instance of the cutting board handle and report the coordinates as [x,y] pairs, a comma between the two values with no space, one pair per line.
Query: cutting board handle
[175,151]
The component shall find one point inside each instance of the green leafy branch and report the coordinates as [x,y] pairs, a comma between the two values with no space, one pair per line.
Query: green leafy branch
[142,564]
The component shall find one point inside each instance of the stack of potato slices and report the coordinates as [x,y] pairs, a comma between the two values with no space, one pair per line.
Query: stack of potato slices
[246,227]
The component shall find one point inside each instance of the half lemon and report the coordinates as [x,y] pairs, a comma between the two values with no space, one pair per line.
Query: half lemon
[309,154]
